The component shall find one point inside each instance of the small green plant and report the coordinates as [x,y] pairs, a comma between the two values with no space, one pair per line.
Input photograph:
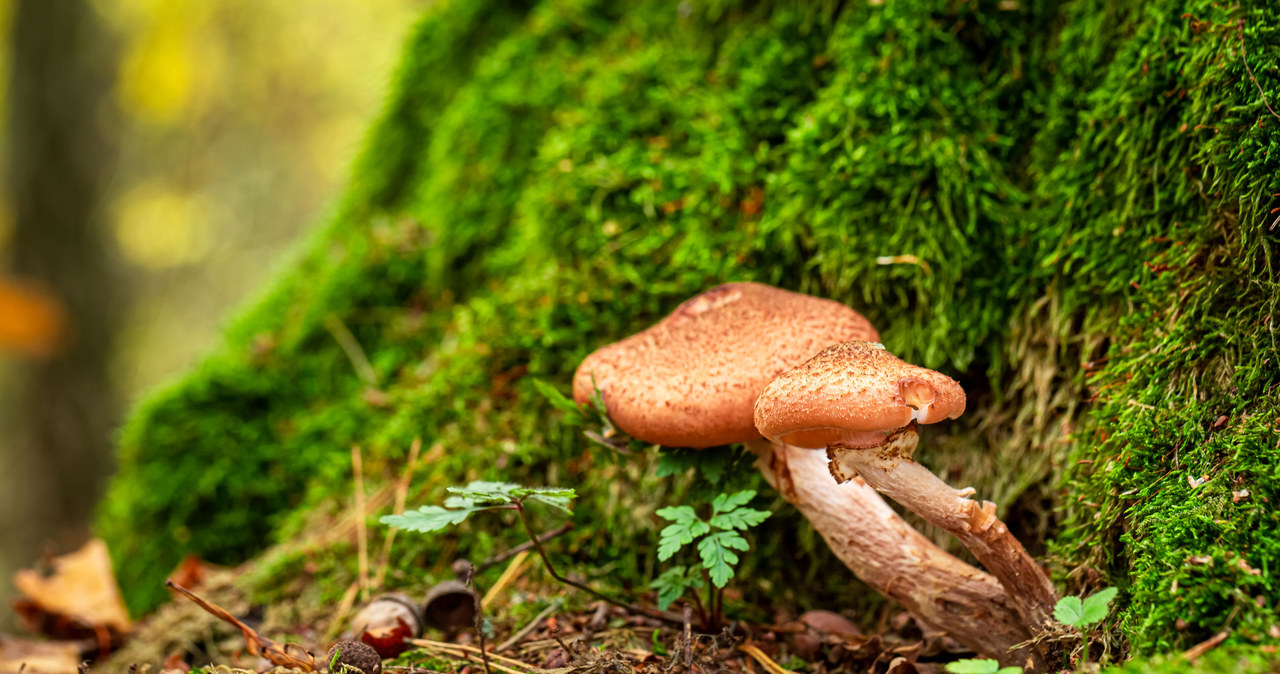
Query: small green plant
[476,497]
[1082,613]
[980,666]
[717,540]
[480,496]
[674,583]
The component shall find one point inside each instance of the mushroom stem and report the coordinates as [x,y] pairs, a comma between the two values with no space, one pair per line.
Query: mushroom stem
[894,559]
[890,469]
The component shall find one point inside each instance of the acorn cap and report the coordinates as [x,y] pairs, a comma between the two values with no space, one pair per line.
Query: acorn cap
[853,394]
[692,379]
[450,605]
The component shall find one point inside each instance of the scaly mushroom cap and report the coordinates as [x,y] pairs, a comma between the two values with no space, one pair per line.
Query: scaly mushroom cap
[692,379]
[853,394]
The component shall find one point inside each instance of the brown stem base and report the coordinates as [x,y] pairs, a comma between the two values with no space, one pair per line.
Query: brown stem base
[895,559]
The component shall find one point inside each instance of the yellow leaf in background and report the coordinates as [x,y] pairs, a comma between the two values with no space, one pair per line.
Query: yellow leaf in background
[158,227]
[156,74]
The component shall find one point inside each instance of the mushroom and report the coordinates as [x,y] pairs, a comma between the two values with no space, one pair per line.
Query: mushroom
[692,380]
[863,404]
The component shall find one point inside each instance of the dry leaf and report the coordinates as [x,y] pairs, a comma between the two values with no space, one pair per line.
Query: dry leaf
[82,588]
[39,657]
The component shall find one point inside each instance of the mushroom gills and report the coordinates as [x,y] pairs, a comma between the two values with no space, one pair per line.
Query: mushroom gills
[898,444]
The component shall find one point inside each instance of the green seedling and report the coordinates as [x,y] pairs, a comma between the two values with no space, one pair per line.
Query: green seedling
[717,540]
[980,666]
[1080,614]
[481,496]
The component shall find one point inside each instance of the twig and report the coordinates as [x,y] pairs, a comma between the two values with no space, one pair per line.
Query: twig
[551,569]
[764,660]
[339,616]
[688,637]
[439,645]
[258,645]
[702,610]
[717,613]
[533,624]
[568,652]
[1244,56]
[402,493]
[479,621]
[362,544]
[1204,646]
[505,579]
[466,653]
[526,546]
[352,348]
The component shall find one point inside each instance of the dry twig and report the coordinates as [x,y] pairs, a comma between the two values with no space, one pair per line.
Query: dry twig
[402,493]
[362,544]
[276,653]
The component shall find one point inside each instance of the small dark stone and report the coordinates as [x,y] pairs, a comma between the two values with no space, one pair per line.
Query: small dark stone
[354,655]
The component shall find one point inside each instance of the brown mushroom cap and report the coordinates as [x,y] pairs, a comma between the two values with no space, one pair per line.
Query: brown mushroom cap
[853,394]
[692,379]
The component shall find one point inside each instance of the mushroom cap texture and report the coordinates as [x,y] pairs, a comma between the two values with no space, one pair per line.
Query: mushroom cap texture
[692,379]
[853,394]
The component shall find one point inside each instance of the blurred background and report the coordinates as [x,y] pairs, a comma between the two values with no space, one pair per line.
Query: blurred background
[158,160]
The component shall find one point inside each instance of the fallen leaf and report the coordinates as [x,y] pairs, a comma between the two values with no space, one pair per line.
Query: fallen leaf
[175,663]
[81,588]
[192,571]
[39,657]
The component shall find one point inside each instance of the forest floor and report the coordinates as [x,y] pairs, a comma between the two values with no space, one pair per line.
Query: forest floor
[527,624]
[562,637]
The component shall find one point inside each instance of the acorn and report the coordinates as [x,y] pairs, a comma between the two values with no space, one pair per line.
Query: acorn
[348,657]
[387,623]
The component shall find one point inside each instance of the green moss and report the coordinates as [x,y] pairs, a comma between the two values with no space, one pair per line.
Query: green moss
[1085,188]
[1240,660]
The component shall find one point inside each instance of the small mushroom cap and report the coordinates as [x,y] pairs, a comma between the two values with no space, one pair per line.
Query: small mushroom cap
[853,394]
[692,379]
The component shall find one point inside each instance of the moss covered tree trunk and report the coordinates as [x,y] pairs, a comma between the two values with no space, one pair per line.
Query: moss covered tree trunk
[1066,205]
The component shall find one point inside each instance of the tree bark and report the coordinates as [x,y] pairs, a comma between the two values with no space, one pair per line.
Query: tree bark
[57,445]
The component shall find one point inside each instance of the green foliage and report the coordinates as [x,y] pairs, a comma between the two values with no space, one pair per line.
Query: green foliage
[715,469]
[685,527]
[494,493]
[980,666]
[1076,613]
[473,498]
[717,538]
[1234,659]
[658,647]
[422,659]
[673,583]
